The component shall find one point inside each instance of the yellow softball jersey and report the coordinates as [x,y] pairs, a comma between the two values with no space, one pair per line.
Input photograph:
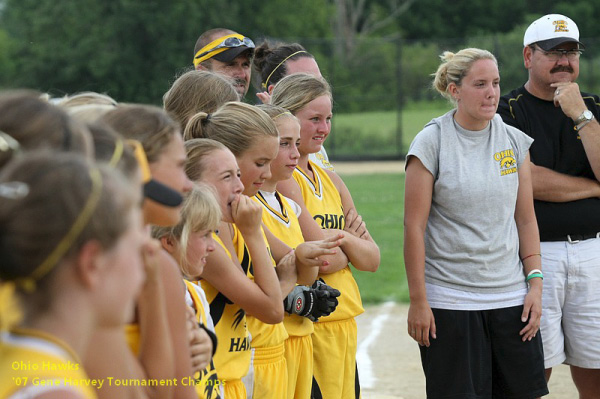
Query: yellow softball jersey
[207,383]
[33,362]
[232,358]
[324,203]
[283,223]
[263,335]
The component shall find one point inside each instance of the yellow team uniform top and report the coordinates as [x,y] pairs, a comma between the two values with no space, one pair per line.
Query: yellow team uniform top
[132,335]
[283,223]
[33,362]
[263,335]
[232,357]
[324,203]
[208,385]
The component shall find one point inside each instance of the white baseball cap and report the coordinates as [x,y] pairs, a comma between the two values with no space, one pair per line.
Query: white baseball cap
[550,31]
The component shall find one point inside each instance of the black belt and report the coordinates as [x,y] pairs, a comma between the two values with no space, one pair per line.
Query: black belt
[572,238]
[575,238]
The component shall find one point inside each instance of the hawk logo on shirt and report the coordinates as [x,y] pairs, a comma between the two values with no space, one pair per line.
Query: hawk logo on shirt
[560,26]
[507,161]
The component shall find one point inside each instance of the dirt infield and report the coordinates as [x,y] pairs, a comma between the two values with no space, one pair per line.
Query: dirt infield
[389,364]
[354,168]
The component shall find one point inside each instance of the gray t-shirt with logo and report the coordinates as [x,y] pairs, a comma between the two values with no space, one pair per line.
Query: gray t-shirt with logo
[471,240]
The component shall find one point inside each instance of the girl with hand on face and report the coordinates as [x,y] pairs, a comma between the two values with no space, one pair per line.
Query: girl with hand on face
[252,137]
[330,204]
[229,292]
[190,242]
[77,272]
[471,242]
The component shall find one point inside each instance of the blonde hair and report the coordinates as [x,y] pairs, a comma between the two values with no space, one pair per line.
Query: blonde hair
[235,124]
[36,124]
[88,113]
[295,91]
[275,112]
[197,91]
[86,98]
[149,124]
[455,67]
[197,150]
[200,211]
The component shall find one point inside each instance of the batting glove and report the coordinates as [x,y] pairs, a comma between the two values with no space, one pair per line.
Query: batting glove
[312,302]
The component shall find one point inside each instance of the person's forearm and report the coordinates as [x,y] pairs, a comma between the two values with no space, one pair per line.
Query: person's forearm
[590,138]
[414,263]
[156,351]
[306,275]
[264,272]
[177,323]
[529,246]
[362,253]
[552,186]
[288,274]
[337,261]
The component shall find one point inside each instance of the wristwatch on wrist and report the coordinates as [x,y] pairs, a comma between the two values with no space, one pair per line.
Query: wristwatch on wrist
[583,119]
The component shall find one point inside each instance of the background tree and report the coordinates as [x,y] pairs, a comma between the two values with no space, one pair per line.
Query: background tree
[357,19]
[375,52]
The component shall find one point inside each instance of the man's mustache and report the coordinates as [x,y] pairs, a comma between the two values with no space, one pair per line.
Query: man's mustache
[562,68]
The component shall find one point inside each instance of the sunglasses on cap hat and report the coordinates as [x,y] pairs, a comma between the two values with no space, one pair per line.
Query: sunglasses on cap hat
[222,44]
[152,189]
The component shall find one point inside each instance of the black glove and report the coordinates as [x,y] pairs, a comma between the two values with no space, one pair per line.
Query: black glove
[312,302]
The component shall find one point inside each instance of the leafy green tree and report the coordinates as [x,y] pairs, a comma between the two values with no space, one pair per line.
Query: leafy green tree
[430,19]
[6,60]
[127,48]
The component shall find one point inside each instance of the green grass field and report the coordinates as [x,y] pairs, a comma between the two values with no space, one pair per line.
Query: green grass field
[379,199]
[374,133]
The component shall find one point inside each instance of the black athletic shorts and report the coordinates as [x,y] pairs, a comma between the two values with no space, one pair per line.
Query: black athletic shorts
[479,354]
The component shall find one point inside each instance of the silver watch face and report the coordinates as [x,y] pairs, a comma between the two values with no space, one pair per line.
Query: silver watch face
[587,115]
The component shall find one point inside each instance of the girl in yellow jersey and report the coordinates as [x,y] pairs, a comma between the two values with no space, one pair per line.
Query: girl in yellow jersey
[190,242]
[328,201]
[160,328]
[228,289]
[252,137]
[77,271]
[280,216]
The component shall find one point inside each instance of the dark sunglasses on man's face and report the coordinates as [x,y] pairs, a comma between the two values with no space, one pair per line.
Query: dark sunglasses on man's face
[230,42]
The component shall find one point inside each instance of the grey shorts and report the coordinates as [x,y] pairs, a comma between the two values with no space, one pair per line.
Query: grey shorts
[571,303]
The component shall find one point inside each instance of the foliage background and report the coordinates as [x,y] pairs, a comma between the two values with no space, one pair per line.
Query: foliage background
[378,54]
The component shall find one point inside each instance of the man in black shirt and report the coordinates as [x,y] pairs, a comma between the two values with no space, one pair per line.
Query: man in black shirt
[565,159]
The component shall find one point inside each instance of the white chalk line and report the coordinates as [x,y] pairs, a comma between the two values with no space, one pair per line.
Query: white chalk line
[363,360]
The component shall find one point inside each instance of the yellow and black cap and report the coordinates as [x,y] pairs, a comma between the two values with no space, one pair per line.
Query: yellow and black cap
[225,48]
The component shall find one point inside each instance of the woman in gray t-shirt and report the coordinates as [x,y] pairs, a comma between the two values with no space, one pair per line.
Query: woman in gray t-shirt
[472,243]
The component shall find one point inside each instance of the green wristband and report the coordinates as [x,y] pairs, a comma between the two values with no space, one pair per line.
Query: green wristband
[534,275]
